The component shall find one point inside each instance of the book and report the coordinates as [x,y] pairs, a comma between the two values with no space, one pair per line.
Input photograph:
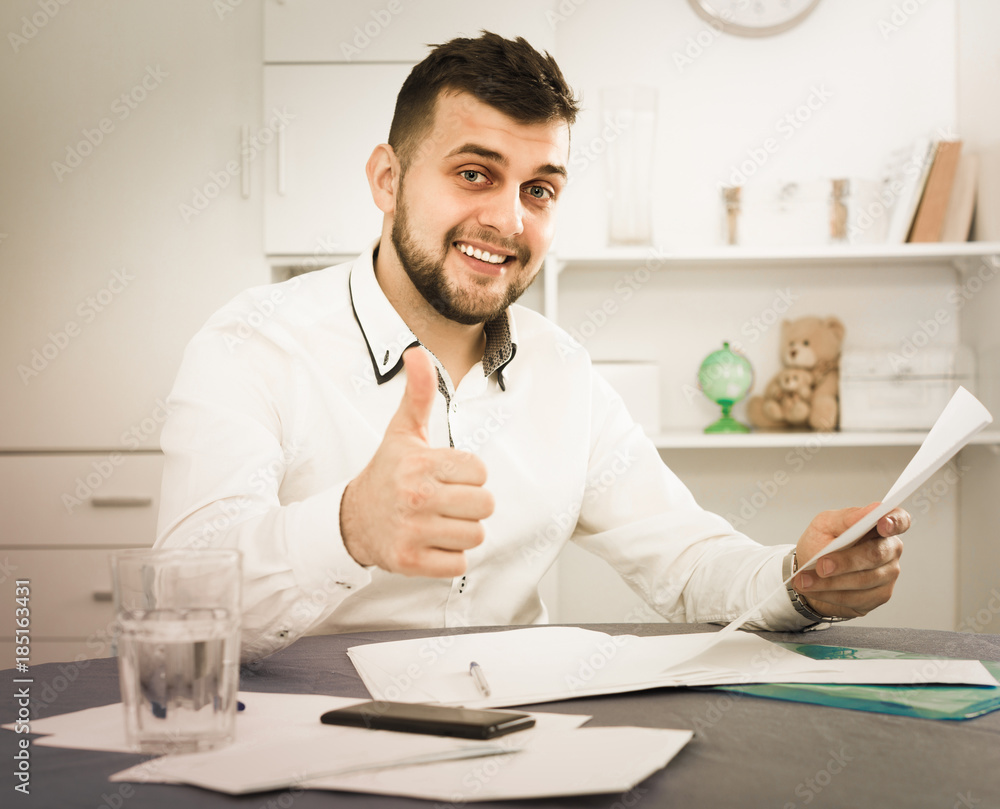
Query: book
[907,175]
[929,219]
[958,217]
[987,223]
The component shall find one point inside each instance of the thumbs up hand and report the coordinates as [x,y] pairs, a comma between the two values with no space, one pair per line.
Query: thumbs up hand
[415,509]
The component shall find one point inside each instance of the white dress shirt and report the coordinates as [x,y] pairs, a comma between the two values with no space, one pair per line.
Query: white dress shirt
[284,396]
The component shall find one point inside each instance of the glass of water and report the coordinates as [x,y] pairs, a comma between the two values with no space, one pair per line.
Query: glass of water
[178,633]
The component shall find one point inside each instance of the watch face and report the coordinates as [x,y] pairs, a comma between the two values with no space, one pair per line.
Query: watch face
[754,17]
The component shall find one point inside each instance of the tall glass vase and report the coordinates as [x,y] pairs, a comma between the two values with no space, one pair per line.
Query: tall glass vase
[629,131]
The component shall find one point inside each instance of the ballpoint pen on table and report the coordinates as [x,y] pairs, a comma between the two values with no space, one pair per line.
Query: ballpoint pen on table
[477,674]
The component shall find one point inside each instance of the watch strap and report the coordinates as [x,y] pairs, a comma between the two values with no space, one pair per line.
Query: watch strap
[789,567]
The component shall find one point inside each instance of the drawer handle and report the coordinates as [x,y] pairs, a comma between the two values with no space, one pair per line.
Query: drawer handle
[282,169]
[121,502]
[102,595]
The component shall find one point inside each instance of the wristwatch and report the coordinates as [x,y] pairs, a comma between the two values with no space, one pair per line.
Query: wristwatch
[789,568]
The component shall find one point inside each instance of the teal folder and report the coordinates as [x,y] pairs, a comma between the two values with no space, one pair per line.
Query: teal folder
[922,701]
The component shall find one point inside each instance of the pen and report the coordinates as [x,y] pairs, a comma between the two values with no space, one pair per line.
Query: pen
[477,674]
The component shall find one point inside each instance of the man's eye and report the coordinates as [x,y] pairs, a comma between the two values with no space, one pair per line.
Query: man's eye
[540,192]
[473,176]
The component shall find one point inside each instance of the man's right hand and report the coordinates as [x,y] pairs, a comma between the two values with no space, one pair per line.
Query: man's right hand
[415,509]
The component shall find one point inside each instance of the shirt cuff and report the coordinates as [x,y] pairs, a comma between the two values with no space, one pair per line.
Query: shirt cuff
[319,560]
[777,613]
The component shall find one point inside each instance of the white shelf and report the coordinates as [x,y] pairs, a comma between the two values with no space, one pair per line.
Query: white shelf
[764,440]
[663,257]
[963,257]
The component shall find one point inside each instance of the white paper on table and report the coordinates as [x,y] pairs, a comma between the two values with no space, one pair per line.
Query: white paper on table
[961,419]
[103,728]
[285,761]
[588,761]
[294,757]
[543,664]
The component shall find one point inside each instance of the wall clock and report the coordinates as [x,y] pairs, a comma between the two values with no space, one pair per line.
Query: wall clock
[754,18]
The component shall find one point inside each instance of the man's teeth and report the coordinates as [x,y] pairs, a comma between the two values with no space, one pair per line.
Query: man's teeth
[482,255]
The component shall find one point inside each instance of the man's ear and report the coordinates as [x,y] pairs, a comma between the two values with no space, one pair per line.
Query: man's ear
[383,172]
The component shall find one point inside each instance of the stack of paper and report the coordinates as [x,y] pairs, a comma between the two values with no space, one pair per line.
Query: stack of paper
[280,743]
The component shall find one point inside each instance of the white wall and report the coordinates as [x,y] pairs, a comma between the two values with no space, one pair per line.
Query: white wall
[886,88]
[979,122]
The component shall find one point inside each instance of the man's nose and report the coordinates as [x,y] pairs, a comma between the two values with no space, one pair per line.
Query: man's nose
[503,212]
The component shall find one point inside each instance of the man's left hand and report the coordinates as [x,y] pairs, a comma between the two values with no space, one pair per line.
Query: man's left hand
[853,581]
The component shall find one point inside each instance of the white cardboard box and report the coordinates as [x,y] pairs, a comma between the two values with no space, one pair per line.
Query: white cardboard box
[882,389]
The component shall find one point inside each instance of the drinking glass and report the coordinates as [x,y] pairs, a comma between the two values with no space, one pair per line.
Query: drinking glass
[178,636]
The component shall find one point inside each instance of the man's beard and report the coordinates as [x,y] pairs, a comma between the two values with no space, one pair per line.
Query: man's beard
[426,273]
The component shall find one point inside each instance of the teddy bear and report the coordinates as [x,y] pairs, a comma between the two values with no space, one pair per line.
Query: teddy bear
[811,344]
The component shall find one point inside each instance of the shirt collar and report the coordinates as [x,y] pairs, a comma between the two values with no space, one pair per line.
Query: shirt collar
[387,336]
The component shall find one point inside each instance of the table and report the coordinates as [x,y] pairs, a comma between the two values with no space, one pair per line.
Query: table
[747,751]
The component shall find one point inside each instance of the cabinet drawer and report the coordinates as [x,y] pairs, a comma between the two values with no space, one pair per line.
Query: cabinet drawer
[79,500]
[55,651]
[69,594]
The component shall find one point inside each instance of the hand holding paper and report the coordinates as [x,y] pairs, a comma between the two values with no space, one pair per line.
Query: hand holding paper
[853,581]
[866,562]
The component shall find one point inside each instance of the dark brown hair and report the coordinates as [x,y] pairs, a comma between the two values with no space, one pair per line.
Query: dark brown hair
[508,74]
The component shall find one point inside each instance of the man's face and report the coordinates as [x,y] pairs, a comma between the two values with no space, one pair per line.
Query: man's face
[478,184]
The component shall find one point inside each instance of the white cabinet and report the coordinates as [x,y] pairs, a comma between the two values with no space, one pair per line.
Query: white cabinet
[112,260]
[316,192]
[124,226]
[63,515]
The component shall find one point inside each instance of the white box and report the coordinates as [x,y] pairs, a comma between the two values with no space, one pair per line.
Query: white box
[638,383]
[881,389]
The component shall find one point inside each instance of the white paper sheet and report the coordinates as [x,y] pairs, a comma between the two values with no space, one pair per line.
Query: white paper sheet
[297,759]
[103,728]
[962,418]
[276,762]
[582,762]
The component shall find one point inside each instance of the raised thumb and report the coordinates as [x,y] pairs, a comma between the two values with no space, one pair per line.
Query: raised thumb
[414,410]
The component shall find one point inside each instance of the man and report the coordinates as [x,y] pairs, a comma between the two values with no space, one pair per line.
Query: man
[395,443]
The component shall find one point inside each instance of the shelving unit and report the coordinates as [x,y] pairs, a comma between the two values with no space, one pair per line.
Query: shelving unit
[691,297]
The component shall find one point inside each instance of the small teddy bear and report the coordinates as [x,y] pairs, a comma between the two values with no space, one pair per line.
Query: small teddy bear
[788,396]
[810,344]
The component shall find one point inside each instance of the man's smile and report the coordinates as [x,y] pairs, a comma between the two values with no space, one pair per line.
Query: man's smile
[484,258]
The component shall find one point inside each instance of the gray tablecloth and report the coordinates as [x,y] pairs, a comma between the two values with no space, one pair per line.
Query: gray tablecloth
[747,751]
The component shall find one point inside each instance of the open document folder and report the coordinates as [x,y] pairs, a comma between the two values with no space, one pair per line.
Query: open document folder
[542,664]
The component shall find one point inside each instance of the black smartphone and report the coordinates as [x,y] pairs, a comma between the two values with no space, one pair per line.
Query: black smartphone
[438,720]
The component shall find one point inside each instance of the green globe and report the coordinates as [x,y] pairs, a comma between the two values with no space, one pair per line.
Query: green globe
[725,377]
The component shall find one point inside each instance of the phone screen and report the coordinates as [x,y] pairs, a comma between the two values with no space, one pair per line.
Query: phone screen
[438,720]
